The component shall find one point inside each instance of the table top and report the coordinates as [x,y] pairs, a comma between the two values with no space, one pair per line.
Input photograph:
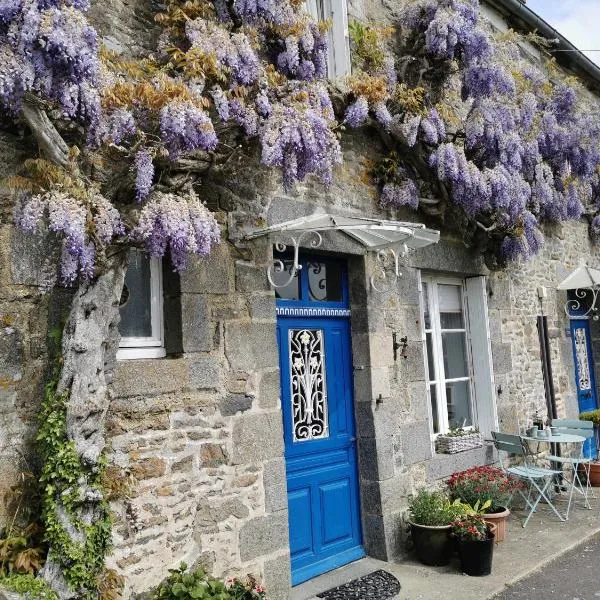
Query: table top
[557,438]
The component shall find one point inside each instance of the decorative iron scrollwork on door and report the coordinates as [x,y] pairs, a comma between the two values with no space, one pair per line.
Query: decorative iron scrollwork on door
[581,354]
[309,390]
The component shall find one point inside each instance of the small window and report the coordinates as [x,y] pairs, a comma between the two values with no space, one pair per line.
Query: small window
[141,309]
[449,371]
[335,11]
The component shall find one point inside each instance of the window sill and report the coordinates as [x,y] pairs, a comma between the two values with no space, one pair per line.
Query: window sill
[139,353]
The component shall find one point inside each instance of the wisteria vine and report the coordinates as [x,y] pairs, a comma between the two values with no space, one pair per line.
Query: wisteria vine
[518,147]
[507,146]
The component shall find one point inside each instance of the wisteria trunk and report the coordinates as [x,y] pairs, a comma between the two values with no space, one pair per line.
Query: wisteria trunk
[86,345]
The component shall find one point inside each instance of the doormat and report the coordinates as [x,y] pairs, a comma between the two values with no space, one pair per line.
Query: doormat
[378,585]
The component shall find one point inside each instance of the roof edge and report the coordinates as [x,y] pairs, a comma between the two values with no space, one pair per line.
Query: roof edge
[573,60]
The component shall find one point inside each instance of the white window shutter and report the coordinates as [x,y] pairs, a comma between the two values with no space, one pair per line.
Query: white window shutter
[339,38]
[481,350]
[311,8]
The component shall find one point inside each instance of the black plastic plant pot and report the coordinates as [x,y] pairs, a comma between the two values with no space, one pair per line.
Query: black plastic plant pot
[433,545]
[476,556]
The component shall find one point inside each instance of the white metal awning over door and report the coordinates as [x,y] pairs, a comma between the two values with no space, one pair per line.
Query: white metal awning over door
[390,240]
[584,282]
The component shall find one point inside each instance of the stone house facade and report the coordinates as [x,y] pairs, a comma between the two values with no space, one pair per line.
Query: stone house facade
[197,422]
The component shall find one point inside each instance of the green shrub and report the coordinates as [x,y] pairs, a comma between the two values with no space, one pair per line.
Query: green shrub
[592,415]
[434,509]
[195,585]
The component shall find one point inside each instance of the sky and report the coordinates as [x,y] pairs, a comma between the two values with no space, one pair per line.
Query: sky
[577,20]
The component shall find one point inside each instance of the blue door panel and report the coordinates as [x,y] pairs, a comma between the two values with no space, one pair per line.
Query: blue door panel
[299,502]
[584,373]
[323,499]
[334,496]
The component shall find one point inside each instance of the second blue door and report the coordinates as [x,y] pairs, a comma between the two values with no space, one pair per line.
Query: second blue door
[319,430]
[584,372]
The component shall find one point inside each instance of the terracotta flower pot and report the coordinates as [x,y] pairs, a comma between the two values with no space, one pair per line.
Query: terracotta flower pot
[595,474]
[499,519]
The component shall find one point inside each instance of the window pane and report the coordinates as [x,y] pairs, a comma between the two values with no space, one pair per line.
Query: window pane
[455,355]
[136,313]
[324,282]
[434,410]
[426,314]
[459,404]
[291,291]
[451,313]
[430,363]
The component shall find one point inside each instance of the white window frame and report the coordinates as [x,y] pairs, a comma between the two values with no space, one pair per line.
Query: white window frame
[338,63]
[152,346]
[435,330]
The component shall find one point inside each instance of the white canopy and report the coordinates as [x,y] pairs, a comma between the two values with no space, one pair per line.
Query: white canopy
[582,277]
[373,234]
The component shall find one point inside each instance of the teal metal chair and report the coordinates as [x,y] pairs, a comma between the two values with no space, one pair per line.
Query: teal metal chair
[573,463]
[537,479]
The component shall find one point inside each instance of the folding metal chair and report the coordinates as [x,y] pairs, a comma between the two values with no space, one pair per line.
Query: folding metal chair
[584,429]
[538,479]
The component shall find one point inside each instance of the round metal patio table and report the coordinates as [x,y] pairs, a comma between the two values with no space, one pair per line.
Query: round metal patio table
[560,438]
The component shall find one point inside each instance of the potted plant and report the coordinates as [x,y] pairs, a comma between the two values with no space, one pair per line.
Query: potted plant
[458,440]
[475,545]
[594,417]
[430,515]
[488,486]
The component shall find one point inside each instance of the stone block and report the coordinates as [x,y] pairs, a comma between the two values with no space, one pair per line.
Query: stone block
[257,437]
[443,465]
[408,287]
[277,577]
[234,403]
[33,259]
[183,466]
[264,535]
[275,485]
[383,536]
[206,373]
[370,383]
[196,326]
[11,355]
[269,389]
[208,275]
[150,377]
[251,346]
[415,442]
[262,306]
[213,455]
[375,459]
[250,278]
[418,401]
[502,357]
[214,511]
[148,468]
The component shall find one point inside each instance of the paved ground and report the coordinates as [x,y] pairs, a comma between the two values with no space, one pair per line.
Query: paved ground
[573,576]
[524,552]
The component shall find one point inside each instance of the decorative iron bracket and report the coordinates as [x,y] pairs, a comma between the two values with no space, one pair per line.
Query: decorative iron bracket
[575,304]
[278,265]
[388,268]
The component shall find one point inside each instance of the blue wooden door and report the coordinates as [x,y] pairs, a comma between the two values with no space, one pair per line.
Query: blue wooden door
[319,426]
[584,371]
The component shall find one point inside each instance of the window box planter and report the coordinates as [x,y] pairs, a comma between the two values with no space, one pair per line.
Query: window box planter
[451,444]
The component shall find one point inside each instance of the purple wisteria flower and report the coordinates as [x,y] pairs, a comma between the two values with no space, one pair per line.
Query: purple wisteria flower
[357,113]
[403,194]
[181,224]
[144,168]
[185,127]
